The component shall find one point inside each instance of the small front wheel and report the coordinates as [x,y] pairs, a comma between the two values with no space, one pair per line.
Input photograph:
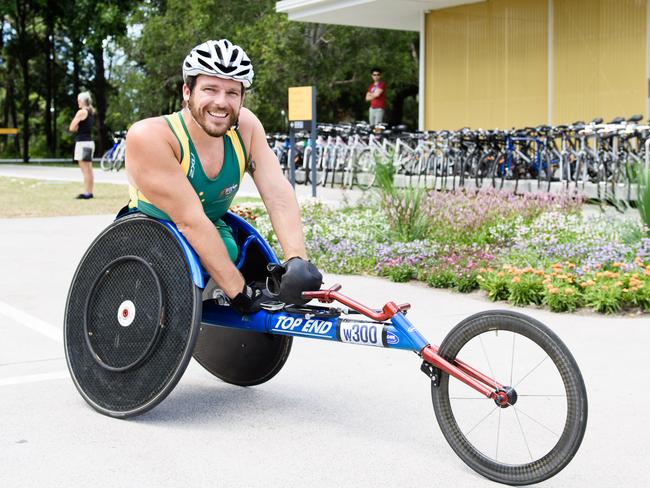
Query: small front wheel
[538,432]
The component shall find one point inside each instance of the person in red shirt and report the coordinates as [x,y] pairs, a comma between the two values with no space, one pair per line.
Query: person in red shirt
[376,95]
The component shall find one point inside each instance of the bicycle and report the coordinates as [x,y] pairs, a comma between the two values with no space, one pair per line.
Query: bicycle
[506,392]
[113,159]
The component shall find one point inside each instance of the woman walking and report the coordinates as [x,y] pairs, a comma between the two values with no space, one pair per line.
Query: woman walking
[84,146]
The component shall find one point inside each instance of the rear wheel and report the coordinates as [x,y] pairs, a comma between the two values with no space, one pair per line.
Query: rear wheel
[364,171]
[540,430]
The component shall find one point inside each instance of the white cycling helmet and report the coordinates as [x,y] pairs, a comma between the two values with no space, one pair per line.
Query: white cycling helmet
[219,58]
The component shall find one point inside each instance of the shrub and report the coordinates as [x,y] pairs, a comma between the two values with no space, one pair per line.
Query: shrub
[467,282]
[604,297]
[563,298]
[643,197]
[495,283]
[400,274]
[441,278]
[525,288]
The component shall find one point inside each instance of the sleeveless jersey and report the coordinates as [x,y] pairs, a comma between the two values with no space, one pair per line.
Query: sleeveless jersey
[216,193]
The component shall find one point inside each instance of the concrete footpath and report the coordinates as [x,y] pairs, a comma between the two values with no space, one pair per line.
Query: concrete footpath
[335,416]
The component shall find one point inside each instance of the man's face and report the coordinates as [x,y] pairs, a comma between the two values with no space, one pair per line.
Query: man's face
[376,76]
[214,103]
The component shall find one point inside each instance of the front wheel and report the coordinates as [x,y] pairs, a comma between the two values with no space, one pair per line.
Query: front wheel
[106,163]
[539,431]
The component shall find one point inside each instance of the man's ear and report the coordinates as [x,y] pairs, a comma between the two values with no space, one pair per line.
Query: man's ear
[186,92]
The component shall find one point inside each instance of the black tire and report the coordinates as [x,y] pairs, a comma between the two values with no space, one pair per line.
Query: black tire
[568,388]
[364,170]
[106,163]
[302,169]
[483,169]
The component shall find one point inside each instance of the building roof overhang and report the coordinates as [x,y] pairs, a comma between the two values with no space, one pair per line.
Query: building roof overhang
[385,14]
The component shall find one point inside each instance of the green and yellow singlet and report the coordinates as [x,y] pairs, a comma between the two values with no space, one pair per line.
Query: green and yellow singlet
[217,193]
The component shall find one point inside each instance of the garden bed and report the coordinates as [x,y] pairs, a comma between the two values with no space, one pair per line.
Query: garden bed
[532,249]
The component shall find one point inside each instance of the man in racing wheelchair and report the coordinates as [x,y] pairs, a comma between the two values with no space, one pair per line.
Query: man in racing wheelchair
[187,167]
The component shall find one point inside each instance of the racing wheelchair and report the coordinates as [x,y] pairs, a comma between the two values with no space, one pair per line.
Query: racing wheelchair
[506,392]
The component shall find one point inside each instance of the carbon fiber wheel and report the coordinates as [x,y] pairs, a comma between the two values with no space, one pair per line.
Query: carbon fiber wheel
[241,357]
[539,432]
[132,317]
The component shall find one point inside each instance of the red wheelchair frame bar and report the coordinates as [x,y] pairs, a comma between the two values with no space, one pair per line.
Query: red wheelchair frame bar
[473,378]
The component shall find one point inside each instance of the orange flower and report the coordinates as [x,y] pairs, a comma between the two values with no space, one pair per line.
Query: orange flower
[516,279]
[568,291]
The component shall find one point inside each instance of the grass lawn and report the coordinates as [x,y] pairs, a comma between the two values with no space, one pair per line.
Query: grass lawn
[22,197]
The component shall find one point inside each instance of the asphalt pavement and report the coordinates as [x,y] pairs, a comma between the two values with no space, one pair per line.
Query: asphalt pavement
[336,415]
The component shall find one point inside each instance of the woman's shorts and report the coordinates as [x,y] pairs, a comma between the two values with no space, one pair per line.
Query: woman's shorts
[83,155]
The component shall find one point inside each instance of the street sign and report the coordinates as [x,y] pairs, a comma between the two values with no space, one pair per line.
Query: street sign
[300,102]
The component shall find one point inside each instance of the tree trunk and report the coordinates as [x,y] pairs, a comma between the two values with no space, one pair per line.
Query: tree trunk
[49,82]
[23,59]
[101,89]
[76,82]
[11,109]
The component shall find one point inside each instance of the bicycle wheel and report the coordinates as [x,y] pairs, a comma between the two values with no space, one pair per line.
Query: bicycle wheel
[301,169]
[106,163]
[364,170]
[483,169]
[539,431]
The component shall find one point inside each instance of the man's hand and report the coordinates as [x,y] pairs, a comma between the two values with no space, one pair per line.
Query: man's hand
[249,300]
[299,275]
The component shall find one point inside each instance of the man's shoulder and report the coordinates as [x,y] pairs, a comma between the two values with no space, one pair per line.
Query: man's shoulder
[248,121]
[153,126]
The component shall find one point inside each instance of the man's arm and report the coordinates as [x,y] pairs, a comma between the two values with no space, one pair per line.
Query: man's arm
[154,169]
[79,116]
[275,190]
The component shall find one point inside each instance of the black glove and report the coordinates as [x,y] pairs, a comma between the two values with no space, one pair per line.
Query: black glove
[295,276]
[249,300]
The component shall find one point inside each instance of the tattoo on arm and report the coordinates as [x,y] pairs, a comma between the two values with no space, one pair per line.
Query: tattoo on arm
[250,166]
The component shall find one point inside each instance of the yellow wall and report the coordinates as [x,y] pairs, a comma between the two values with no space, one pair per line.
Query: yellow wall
[599,51]
[486,64]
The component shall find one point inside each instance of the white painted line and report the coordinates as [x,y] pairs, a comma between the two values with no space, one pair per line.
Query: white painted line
[31,322]
[33,378]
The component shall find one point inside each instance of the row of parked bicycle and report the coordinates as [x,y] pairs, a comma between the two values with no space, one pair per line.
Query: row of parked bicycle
[606,154]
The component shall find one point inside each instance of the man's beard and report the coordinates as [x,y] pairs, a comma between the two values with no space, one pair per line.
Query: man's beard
[201,122]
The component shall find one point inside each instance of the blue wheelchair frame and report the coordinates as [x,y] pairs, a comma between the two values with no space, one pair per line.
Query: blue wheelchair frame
[388,328]
[398,334]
